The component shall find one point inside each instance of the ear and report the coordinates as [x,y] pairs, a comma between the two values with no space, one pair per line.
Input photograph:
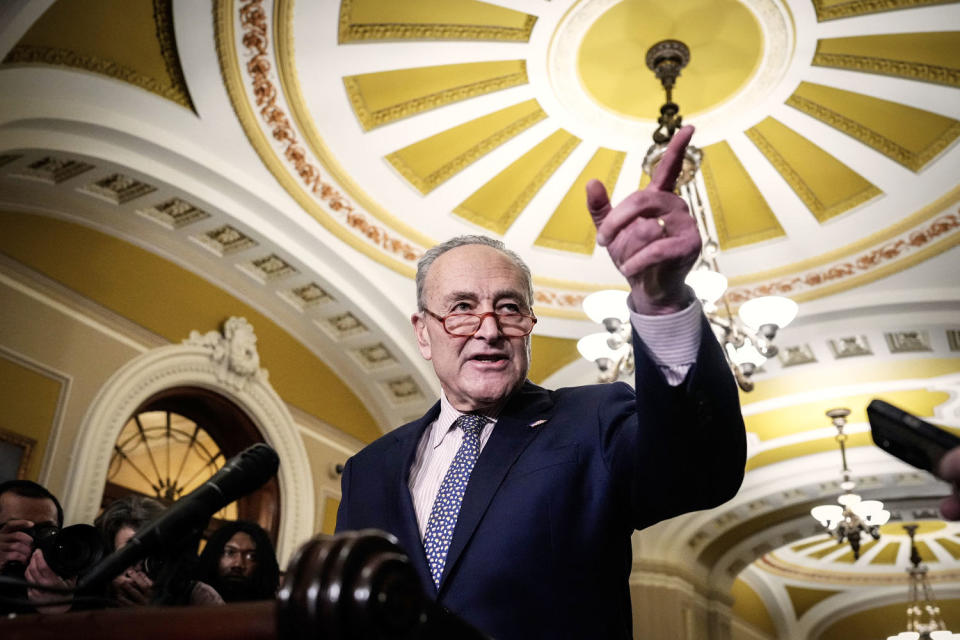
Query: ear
[423,336]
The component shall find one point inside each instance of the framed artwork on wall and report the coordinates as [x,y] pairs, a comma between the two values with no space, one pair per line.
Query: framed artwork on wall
[15,451]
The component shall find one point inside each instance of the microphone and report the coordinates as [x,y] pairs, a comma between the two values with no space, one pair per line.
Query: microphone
[242,474]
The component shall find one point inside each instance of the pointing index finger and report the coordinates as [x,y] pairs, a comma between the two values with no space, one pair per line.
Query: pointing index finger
[668,170]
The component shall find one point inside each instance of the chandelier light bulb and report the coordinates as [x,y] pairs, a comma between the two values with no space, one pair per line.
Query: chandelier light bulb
[908,635]
[941,635]
[868,508]
[707,284]
[827,514]
[768,310]
[747,354]
[594,346]
[848,499]
[609,303]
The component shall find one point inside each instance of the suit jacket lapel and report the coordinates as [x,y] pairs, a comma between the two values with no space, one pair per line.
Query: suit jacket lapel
[409,531]
[510,437]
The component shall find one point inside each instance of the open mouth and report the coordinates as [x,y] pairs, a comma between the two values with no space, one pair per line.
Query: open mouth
[492,358]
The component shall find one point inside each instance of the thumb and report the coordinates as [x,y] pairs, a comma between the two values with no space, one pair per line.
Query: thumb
[598,202]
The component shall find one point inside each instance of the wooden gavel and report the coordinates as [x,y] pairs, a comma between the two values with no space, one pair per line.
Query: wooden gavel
[356,585]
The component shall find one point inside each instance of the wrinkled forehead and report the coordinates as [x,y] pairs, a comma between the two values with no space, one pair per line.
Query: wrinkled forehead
[476,268]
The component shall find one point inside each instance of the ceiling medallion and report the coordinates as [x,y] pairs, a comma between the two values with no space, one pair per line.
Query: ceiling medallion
[585,117]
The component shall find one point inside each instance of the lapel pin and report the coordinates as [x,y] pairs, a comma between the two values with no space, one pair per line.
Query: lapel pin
[537,423]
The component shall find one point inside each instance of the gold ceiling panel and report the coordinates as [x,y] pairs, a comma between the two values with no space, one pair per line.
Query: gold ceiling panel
[912,137]
[740,213]
[887,555]
[848,558]
[833,9]
[570,228]
[747,605]
[825,185]
[803,598]
[867,371]
[364,20]
[550,355]
[496,205]
[822,553]
[810,447]
[810,416]
[430,162]
[951,546]
[797,548]
[128,40]
[381,98]
[929,57]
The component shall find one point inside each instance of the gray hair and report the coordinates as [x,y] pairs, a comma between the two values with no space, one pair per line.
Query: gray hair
[425,262]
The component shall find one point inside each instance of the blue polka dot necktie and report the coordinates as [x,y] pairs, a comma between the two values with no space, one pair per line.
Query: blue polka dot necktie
[446,508]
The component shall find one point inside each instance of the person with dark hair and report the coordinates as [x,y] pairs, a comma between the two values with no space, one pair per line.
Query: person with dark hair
[24,506]
[161,579]
[240,563]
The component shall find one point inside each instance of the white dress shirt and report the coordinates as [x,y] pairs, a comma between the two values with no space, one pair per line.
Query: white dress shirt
[671,340]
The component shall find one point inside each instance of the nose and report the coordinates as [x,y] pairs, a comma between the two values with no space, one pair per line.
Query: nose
[489,327]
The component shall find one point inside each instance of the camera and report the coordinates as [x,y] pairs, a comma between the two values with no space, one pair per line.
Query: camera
[69,551]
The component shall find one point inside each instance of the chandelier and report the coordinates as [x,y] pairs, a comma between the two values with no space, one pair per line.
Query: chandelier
[747,337]
[923,613]
[853,517]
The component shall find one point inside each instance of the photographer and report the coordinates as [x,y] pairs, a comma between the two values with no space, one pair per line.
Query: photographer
[26,507]
[163,579]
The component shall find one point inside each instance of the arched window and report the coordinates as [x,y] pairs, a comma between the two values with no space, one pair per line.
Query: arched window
[175,441]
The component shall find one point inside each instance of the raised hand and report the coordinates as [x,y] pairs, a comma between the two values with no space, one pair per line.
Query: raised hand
[650,236]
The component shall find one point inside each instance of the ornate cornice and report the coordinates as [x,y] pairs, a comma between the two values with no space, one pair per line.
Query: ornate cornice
[338,215]
[926,240]
[899,68]
[896,152]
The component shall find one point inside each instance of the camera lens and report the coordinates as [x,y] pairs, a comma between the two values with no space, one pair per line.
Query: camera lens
[69,551]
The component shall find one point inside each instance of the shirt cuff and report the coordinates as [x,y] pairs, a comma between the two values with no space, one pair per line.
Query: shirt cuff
[672,340]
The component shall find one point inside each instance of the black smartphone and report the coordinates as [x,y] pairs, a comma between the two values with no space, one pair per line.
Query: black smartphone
[909,438]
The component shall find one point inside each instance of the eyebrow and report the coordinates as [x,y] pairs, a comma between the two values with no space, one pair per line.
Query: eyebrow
[497,296]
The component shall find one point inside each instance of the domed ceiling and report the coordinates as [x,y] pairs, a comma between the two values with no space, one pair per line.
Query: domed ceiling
[829,149]
[301,156]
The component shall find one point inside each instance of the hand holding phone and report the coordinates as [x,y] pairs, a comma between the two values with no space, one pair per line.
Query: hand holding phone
[909,438]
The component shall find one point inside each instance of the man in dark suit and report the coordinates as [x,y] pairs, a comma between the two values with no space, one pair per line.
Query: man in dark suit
[516,504]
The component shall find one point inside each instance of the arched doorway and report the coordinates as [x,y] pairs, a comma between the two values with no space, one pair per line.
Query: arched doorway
[175,441]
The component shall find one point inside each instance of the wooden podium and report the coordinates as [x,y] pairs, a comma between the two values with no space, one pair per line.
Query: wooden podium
[357,585]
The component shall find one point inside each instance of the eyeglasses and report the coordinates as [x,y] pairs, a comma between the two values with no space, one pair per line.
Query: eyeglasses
[464,325]
[248,555]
